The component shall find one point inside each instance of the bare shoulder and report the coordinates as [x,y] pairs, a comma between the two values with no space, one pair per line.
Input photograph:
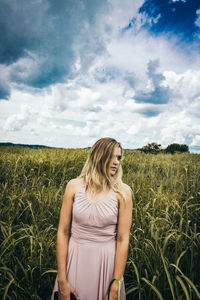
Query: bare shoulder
[126,190]
[74,184]
[127,193]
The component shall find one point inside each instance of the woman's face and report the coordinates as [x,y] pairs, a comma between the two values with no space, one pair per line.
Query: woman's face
[115,160]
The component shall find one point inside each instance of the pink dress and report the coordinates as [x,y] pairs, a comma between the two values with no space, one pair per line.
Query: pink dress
[92,246]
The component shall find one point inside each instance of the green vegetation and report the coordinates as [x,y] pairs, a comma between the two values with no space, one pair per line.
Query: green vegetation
[172,148]
[155,148]
[163,260]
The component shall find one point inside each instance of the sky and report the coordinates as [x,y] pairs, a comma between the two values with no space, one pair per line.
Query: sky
[73,71]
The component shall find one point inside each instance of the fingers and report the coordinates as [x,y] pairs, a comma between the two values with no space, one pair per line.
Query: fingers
[62,296]
[66,292]
[74,293]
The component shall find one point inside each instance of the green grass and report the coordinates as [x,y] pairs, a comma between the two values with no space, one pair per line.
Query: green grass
[163,260]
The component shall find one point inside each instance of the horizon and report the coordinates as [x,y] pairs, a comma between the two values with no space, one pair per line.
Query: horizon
[89,147]
[74,72]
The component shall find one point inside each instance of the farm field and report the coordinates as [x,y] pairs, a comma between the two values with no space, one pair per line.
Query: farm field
[164,250]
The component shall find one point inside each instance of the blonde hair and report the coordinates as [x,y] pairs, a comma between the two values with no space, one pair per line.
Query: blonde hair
[95,172]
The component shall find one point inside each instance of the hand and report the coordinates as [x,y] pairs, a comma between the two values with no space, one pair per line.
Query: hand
[113,291]
[64,290]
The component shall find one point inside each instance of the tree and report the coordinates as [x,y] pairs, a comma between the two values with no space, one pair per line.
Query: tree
[172,148]
[153,148]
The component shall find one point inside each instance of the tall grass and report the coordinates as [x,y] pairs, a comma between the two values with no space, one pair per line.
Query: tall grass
[164,254]
[163,260]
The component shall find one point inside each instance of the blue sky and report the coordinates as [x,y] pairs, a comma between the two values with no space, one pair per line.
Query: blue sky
[74,71]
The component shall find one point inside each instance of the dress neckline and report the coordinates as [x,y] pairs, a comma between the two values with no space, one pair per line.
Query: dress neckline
[100,201]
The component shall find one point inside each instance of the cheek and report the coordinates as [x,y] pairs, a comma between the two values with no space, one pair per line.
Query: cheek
[111,162]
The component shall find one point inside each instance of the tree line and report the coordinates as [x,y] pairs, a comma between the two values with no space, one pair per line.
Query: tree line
[155,148]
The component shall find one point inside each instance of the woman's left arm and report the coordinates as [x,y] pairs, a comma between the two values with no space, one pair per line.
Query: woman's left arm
[123,233]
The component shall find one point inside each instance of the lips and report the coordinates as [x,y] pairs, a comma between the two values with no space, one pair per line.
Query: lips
[114,169]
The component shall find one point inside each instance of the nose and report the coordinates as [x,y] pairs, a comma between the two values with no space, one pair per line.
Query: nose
[115,161]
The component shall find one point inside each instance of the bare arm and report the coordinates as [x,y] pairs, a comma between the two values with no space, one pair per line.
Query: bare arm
[64,230]
[123,233]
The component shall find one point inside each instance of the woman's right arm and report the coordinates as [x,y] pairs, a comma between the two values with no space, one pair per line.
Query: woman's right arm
[64,227]
[64,230]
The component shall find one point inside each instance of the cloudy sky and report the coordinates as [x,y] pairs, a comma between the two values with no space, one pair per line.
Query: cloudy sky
[72,71]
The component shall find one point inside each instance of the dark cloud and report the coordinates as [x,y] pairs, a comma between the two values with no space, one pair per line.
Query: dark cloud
[48,31]
[150,112]
[20,26]
[159,94]
[130,78]
[156,78]
[106,73]
[4,90]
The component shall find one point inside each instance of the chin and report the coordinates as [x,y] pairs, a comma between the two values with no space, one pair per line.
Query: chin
[112,173]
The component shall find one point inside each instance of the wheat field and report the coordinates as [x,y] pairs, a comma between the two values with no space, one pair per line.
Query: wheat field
[164,250]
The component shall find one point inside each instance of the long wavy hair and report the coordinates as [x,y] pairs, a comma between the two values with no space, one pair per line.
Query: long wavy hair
[96,173]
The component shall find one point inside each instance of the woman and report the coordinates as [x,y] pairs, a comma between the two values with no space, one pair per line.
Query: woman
[97,209]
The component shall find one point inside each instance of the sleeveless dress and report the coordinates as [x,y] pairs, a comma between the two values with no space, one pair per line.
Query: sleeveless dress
[92,246]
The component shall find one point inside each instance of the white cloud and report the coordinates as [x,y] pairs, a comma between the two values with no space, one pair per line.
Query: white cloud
[195,140]
[133,129]
[186,84]
[178,0]
[93,117]
[24,67]
[197,21]
[100,98]
[121,14]
[16,122]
